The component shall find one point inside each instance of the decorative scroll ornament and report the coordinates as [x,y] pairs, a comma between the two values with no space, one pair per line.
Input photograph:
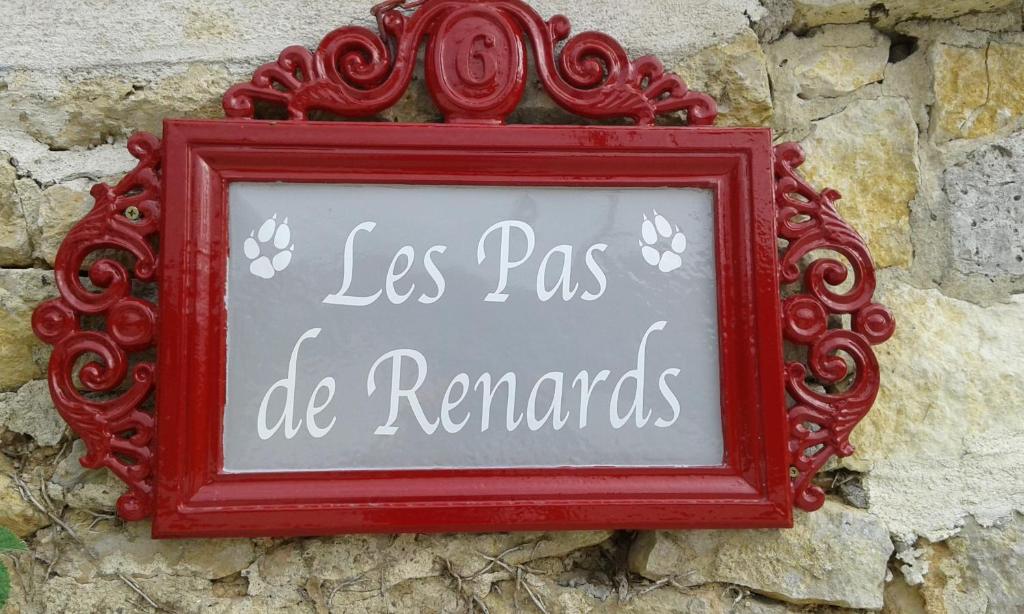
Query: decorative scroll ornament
[117,432]
[475,67]
[823,416]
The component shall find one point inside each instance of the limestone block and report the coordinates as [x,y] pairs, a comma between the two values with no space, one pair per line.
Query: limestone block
[30,411]
[558,597]
[837,555]
[945,437]
[52,213]
[17,514]
[63,34]
[93,108]
[45,167]
[735,74]
[129,549]
[812,13]
[835,61]
[15,248]
[978,91]
[978,570]
[85,489]
[416,556]
[869,153]
[88,82]
[22,356]
[382,563]
[986,195]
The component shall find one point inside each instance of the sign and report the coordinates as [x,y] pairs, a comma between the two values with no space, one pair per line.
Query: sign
[349,307]
[549,327]
[380,327]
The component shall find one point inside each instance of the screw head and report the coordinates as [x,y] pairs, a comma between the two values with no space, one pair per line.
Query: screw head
[132,213]
[794,472]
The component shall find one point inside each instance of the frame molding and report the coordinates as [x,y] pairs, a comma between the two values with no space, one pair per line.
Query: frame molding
[195,496]
[357,73]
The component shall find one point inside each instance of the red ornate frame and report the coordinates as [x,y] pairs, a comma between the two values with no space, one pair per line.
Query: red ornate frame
[476,72]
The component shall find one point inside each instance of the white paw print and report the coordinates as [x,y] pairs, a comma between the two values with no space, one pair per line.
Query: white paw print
[264,262]
[669,257]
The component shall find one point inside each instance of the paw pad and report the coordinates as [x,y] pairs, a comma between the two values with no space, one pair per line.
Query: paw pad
[269,248]
[662,245]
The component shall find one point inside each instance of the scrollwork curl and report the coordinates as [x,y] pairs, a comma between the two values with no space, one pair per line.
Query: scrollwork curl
[837,386]
[357,73]
[108,415]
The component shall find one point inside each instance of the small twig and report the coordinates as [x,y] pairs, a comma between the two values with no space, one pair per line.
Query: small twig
[27,495]
[60,453]
[384,589]
[45,495]
[138,590]
[479,603]
[98,518]
[345,584]
[672,581]
[536,600]
[741,594]
[491,560]
[653,587]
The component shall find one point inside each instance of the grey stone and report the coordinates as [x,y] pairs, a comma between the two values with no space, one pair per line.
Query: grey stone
[837,555]
[80,488]
[30,411]
[130,549]
[811,13]
[945,438]
[52,213]
[835,61]
[776,20]
[63,34]
[22,356]
[15,247]
[986,196]
[979,570]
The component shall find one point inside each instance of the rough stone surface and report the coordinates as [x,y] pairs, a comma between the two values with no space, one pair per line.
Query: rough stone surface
[841,552]
[836,60]
[978,91]
[811,13]
[96,107]
[30,411]
[978,570]
[52,212]
[130,550]
[22,356]
[939,463]
[46,167]
[869,153]
[83,489]
[15,513]
[734,73]
[62,34]
[15,248]
[945,439]
[986,196]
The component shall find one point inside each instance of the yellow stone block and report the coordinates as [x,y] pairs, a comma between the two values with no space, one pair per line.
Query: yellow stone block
[978,91]
[869,153]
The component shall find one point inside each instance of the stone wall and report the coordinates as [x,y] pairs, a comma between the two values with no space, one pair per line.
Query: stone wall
[911,108]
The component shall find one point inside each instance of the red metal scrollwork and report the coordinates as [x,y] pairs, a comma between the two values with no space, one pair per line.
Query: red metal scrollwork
[117,432]
[476,68]
[823,415]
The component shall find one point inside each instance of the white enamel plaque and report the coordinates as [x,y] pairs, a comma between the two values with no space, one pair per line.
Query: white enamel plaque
[402,327]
